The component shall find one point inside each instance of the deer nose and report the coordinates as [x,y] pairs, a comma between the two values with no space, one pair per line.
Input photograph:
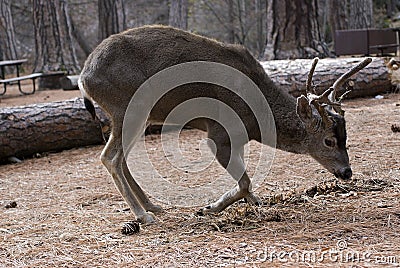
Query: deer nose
[345,173]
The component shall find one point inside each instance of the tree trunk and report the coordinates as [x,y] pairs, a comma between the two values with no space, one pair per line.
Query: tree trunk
[348,14]
[56,126]
[178,14]
[259,13]
[27,130]
[111,17]
[337,16]
[7,31]
[345,14]
[360,14]
[390,8]
[291,75]
[231,22]
[53,37]
[292,29]
[80,38]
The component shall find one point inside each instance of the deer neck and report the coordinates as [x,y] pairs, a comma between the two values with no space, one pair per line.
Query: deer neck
[291,133]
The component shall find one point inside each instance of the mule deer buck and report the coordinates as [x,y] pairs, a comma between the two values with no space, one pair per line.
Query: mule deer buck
[312,124]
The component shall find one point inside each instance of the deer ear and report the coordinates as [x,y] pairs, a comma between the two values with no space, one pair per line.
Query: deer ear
[304,110]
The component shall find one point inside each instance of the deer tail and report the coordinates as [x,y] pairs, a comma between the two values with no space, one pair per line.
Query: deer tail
[90,107]
[86,100]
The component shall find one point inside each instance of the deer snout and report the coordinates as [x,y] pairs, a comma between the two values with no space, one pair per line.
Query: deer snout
[344,173]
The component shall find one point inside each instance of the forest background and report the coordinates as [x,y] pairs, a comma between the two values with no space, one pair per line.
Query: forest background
[58,35]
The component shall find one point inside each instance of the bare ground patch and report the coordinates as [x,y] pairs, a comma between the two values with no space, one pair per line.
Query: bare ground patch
[69,213]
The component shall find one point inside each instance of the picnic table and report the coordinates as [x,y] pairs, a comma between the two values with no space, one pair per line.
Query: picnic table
[15,63]
[17,79]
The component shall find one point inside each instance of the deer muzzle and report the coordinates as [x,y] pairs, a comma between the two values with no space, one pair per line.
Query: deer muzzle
[344,173]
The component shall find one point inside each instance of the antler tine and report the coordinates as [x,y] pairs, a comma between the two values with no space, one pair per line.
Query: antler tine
[309,87]
[328,98]
[341,80]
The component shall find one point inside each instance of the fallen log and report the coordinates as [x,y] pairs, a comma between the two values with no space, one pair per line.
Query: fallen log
[291,75]
[27,130]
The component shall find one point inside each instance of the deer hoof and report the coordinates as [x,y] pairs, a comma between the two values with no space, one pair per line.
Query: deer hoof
[147,218]
[207,210]
[154,208]
[253,199]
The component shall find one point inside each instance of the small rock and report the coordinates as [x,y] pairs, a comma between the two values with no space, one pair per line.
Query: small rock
[312,191]
[379,97]
[242,245]
[349,194]
[13,159]
[67,237]
[383,205]
[12,204]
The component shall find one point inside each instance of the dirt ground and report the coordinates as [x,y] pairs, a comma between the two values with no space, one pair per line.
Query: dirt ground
[68,213]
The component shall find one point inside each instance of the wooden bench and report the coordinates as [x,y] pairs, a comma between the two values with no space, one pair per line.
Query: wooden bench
[382,48]
[366,41]
[17,80]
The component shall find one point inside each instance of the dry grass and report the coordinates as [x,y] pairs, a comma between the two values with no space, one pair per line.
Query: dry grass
[69,213]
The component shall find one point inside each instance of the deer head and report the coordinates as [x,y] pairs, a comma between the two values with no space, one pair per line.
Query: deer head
[323,118]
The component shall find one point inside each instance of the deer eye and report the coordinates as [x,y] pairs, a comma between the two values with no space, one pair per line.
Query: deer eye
[330,142]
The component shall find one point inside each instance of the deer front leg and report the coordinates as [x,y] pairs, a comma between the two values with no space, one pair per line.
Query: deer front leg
[251,197]
[113,158]
[230,197]
[234,164]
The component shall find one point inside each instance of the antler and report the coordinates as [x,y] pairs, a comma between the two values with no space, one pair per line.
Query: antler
[328,98]
[309,88]
[315,99]
[341,80]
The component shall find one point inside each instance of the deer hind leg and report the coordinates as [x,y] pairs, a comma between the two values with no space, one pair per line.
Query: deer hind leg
[113,159]
[234,164]
[137,190]
[139,193]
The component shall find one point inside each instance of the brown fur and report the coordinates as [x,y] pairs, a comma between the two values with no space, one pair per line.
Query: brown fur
[122,62]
